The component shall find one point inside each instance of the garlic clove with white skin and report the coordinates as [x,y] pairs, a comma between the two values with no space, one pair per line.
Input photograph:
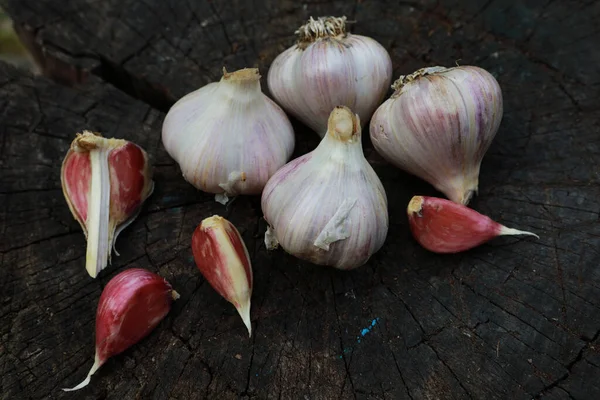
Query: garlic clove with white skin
[328,67]
[438,125]
[328,206]
[228,137]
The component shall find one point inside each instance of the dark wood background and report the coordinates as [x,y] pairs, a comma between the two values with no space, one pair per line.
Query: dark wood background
[513,319]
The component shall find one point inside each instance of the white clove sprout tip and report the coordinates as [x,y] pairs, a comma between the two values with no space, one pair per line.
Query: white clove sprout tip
[86,381]
[175,295]
[83,384]
[505,231]
[244,311]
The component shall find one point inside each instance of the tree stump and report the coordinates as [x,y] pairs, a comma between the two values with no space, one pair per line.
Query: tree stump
[512,319]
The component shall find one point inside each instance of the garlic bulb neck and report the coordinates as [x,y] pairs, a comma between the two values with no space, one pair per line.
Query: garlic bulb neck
[243,86]
[405,79]
[323,27]
[343,125]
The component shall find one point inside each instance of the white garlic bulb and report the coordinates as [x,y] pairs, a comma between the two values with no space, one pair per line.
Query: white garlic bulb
[328,206]
[228,137]
[438,125]
[330,67]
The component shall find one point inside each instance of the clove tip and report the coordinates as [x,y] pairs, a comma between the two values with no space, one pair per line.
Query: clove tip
[244,311]
[212,222]
[506,231]
[415,205]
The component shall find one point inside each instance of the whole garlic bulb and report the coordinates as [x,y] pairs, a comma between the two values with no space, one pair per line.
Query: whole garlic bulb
[438,125]
[228,137]
[330,67]
[328,206]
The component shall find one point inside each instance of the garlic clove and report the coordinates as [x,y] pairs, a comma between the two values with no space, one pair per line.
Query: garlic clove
[228,137]
[443,226]
[105,182]
[131,305]
[328,207]
[222,258]
[438,125]
[327,67]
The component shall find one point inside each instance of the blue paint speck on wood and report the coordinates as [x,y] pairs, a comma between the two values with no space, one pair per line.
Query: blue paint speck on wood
[368,329]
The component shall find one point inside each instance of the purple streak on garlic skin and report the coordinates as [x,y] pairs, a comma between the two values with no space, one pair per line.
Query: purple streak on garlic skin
[226,128]
[311,78]
[439,126]
[287,170]
[301,199]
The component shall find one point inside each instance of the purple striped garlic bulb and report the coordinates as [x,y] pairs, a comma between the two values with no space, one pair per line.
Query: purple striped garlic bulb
[228,137]
[438,125]
[328,67]
[328,207]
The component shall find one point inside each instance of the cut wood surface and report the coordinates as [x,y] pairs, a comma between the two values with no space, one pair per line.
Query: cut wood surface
[517,318]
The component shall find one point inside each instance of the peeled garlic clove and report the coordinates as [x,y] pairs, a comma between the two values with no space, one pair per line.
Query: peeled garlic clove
[222,257]
[328,67]
[328,206]
[105,182]
[131,305]
[228,137]
[442,226]
[438,125]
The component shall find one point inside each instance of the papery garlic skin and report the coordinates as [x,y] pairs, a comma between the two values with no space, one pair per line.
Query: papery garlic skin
[222,258]
[228,137]
[131,305]
[328,206]
[105,182]
[330,67]
[438,125]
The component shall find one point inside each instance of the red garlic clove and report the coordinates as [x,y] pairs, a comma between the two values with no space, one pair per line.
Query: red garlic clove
[130,307]
[105,182]
[443,226]
[222,257]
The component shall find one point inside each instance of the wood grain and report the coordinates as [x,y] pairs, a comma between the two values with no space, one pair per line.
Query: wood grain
[516,318]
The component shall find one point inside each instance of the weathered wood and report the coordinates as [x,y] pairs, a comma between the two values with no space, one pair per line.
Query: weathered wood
[512,319]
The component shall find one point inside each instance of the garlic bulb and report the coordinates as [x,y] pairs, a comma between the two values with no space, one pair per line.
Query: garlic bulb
[328,206]
[228,137]
[438,125]
[330,67]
